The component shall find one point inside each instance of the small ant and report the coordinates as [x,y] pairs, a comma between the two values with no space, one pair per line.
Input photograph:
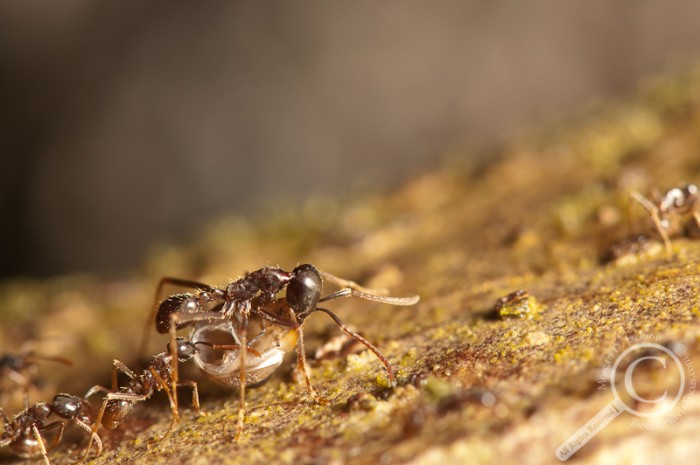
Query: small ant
[670,212]
[250,303]
[19,369]
[119,401]
[24,434]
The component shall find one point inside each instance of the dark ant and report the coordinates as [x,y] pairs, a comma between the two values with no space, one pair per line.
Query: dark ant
[19,368]
[24,434]
[250,303]
[119,400]
[670,212]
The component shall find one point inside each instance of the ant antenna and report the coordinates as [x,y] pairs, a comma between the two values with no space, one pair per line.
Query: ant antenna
[364,341]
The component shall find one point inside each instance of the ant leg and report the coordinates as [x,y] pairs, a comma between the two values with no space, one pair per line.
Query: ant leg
[172,398]
[95,389]
[278,321]
[42,445]
[656,219]
[50,358]
[18,378]
[98,420]
[195,395]
[93,436]
[243,337]
[301,365]
[174,370]
[59,436]
[349,291]
[341,325]
[664,235]
[24,382]
[186,283]
[118,366]
[109,397]
[176,319]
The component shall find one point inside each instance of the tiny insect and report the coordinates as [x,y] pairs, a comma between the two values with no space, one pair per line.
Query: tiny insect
[514,297]
[517,304]
[119,400]
[24,434]
[249,311]
[672,212]
[19,369]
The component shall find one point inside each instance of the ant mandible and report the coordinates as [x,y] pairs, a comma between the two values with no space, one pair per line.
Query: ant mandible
[670,211]
[24,434]
[252,296]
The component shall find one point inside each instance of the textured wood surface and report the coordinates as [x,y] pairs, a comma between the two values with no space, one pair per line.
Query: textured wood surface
[476,384]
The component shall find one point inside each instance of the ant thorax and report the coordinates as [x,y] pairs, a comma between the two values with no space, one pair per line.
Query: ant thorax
[267,343]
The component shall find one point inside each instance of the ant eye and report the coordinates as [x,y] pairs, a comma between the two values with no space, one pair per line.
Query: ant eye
[304,289]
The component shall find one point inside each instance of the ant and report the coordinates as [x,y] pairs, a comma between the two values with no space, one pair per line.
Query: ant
[19,369]
[119,400]
[249,303]
[670,211]
[24,434]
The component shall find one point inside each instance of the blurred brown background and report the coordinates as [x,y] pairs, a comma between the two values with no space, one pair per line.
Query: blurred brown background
[121,123]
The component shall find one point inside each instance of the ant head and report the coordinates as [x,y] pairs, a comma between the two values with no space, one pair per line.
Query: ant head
[71,408]
[304,290]
[186,349]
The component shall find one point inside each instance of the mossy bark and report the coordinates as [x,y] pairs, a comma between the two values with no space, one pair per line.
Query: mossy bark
[549,215]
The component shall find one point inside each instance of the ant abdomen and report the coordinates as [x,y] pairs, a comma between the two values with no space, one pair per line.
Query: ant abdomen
[115,412]
[304,290]
[174,304]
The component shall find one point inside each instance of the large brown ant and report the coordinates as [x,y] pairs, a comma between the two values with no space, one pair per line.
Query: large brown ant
[249,307]
[25,433]
[670,212]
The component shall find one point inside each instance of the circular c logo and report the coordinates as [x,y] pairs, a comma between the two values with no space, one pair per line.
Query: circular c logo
[629,385]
